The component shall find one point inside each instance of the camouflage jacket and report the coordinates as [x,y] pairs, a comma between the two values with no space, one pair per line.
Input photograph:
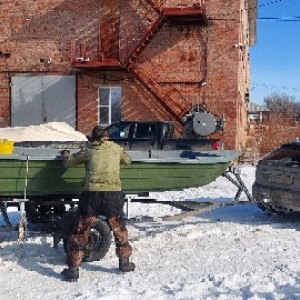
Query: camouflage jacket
[102,162]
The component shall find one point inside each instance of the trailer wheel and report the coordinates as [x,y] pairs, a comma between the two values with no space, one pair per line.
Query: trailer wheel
[99,241]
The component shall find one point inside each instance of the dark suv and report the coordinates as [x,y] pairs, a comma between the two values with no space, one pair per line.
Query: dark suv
[277,180]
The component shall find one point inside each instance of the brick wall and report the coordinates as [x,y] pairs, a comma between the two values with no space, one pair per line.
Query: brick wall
[179,58]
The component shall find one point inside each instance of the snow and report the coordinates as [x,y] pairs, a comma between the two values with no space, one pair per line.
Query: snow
[233,252]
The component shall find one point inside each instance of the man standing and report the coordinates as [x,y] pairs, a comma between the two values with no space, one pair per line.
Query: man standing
[101,195]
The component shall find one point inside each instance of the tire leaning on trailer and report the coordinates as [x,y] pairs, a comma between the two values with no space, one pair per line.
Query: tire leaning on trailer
[99,240]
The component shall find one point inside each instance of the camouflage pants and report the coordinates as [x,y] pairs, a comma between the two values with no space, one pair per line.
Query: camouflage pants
[80,239]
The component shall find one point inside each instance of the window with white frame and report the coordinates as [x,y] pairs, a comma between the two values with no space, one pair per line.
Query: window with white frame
[109,105]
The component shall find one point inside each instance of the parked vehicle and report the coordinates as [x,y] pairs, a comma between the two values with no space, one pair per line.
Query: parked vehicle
[132,135]
[159,135]
[277,181]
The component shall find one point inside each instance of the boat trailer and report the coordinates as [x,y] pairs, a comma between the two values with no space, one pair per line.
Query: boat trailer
[189,208]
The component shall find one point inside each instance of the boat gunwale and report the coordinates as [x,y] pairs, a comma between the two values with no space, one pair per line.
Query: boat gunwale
[188,157]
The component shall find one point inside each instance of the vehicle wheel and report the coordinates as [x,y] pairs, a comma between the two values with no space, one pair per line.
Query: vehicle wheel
[99,241]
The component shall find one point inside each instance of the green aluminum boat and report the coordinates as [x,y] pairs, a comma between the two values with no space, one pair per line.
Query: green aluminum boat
[37,175]
[39,171]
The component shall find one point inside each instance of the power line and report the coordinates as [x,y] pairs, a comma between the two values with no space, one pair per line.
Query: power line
[281,19]
[293,91]
[271,19]
[255,7]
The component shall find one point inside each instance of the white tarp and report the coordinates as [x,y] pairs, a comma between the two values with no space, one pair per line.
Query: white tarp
[52,131]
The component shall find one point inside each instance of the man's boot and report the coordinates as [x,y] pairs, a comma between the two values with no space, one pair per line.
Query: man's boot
[71,274]
[126,266]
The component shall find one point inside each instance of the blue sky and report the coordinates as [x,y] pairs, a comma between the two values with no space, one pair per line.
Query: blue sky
[275,59]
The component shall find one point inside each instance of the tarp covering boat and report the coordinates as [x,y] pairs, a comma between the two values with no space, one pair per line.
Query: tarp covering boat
[52,131]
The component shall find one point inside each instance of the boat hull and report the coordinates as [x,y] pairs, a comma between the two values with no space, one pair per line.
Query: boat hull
[39,172]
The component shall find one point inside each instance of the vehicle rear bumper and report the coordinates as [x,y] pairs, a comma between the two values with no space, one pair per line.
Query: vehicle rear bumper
[282,199]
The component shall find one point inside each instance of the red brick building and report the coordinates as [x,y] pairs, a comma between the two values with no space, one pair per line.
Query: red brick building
[92,61]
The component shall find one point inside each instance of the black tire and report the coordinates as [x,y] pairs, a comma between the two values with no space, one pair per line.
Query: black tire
[99,241]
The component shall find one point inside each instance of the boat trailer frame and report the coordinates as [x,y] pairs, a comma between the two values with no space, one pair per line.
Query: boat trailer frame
[189,208]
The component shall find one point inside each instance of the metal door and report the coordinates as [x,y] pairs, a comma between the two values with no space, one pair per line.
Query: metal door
[41,99]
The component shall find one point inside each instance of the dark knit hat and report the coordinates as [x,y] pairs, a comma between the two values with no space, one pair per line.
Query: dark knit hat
[98,133]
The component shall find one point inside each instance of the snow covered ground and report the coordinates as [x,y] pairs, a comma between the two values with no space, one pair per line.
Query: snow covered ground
[235,252]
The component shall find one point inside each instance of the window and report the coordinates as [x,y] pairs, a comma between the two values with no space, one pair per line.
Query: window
[109,105]
[144,131]
[119,130]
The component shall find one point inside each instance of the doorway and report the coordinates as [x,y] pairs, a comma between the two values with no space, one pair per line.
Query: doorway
[40,99]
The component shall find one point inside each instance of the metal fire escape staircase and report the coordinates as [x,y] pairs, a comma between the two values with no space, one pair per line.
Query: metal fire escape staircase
[145,79]
[137,37]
